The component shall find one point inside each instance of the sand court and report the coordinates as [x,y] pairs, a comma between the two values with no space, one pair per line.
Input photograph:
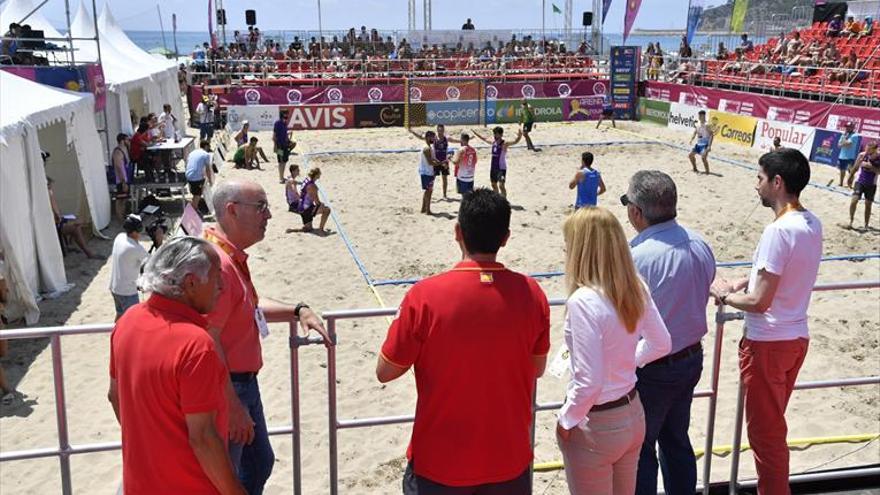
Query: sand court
[375,199]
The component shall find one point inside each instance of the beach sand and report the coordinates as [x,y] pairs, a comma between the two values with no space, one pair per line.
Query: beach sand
[375,198]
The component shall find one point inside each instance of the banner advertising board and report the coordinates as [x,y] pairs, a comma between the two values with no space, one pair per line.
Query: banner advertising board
[583,108]
[625,62]
[509,111]
[319,116]
[654,111]
[452,113]
[825,147]
[683,117]
[799,137]
[735,129]
[259,117]
[379,115]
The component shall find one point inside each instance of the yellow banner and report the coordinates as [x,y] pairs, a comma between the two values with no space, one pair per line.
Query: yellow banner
[738,17]
[730,128]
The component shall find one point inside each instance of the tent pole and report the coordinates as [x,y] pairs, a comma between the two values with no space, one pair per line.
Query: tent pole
[101,63]
[69,35]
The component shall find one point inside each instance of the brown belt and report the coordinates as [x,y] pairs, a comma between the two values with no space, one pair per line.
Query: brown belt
[626,399]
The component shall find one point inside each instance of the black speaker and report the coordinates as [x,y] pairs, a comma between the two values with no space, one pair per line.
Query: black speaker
[250,17]
[221,17]
[588,18]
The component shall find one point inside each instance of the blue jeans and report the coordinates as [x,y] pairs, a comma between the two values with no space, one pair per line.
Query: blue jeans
[667,390]
[122,303]
[206,131]
[253,463]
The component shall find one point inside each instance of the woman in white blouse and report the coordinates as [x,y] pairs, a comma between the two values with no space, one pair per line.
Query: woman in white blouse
[611,326]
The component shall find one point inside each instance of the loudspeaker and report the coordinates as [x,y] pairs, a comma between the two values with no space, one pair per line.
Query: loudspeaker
[221,17]
[250,17]
[588,18]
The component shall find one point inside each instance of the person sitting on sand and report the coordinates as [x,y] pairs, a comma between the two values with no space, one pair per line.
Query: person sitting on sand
[247,156]
[310,203]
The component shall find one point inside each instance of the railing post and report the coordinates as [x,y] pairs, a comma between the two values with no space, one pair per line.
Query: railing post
[294,408]
[534,421]
[61,416]
[331,410]
[737,439]
[713,399]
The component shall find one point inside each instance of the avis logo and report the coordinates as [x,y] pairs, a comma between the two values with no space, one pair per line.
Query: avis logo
[294,97]
[318,117]
[374,95]
[252,97]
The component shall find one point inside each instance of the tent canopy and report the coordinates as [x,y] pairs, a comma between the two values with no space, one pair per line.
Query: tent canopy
[15,10]
[26,101]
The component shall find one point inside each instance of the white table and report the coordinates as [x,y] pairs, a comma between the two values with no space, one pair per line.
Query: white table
[171,145]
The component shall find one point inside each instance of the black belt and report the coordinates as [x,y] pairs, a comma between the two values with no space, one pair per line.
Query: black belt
[678,356]
[626,399]
[243,377]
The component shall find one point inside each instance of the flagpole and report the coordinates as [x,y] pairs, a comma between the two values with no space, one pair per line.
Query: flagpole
[543,27]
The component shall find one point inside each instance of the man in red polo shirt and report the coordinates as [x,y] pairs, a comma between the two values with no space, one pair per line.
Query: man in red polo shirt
[478,337]
[167,383]
[238,321]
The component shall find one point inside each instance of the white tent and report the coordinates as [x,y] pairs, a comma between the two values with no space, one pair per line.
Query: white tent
[16,10]
[35,117]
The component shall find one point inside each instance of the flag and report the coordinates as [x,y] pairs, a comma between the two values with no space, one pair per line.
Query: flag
[211,15]
[695,14]
[556,9]
[738,18]
[606,4]
[632,10]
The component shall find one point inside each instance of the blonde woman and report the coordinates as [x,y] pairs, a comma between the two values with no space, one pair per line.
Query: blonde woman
[611,327]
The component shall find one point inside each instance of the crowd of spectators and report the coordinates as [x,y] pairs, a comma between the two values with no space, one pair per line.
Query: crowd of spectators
[366,51]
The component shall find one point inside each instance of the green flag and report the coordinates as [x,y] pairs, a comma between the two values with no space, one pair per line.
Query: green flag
[738,17]
[556,9]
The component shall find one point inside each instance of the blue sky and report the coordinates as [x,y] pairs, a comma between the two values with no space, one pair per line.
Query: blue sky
[382,14]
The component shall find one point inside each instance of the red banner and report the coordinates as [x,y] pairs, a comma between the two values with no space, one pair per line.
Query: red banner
[810,113]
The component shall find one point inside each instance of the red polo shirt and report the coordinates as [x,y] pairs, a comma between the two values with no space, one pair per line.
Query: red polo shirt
[471,334]
[165,367]
[234,311]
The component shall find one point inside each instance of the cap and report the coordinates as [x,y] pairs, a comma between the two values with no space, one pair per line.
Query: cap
[245,122]
[132,223]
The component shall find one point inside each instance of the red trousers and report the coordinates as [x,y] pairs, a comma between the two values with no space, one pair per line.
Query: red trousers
[768,371]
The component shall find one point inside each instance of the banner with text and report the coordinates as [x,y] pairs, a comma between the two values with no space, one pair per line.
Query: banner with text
[510,111]
[259,117]
[585,108]
[453,112]
[304,117]
[379,115]
[683,117]
[735,129]
[812,113]
[799,137]
[825,147]
[654,111]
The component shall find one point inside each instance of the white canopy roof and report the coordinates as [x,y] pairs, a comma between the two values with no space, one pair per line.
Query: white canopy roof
[15,10]
[112,34]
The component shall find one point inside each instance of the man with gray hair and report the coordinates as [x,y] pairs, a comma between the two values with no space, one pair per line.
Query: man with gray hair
[167,383]
[678,267]
[239,320]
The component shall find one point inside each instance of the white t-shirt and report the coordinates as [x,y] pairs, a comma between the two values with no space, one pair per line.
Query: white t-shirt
[425,167]
[125,265]
[604,355]
[790,247]
[170,124]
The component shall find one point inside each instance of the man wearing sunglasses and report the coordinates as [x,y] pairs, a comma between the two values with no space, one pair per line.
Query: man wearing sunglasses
[239,320]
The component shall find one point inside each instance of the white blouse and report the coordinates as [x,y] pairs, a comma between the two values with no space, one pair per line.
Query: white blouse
[604,355]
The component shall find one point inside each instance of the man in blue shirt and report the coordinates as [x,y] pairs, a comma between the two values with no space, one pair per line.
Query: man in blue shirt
[849,149]
[588,181]
[198,167]
[679,268]
[283,144]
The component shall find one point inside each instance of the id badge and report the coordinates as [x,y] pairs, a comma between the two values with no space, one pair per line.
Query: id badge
[262,325]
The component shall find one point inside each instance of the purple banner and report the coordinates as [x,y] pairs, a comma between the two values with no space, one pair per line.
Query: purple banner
[88,78]
[583,108]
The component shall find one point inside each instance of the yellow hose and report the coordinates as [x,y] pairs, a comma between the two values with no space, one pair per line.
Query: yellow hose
[725,450]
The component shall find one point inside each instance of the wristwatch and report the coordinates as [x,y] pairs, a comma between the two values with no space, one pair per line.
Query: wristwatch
[299,307]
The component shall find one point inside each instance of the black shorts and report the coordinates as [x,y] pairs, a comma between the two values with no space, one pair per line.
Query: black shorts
[527,127]
[196,187]
[608,112]
[865,190]
[283,154]
[414,484]
[441,170]
[309,214]
[497,175]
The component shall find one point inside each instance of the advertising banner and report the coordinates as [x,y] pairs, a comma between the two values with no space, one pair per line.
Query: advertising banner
[799,137]
[584,108]
[379,115]
[509,111]
[803,112]
[565,89]
[683,117]
[97,85]
[453,113]
[259,117]
[303,117]
[825,148]
[654,111]
[87,78]
[625,63]
[735,129]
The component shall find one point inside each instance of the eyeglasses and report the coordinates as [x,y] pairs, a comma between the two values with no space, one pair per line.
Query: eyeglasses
[261,206]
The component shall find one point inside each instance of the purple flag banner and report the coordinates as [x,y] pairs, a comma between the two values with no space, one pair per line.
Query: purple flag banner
[632,11]
[606,5]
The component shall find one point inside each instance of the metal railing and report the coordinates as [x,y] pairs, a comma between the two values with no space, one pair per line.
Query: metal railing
[65,449]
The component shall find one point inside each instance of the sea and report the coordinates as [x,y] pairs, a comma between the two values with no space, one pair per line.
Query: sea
[186,41]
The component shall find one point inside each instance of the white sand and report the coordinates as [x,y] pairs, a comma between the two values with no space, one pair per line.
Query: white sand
[375,197]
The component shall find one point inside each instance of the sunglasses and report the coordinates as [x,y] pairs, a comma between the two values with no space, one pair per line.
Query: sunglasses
[261,206]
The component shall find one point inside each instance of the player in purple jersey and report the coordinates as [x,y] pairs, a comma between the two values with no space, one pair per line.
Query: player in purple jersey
[498,170]
[867,165]
[441,152]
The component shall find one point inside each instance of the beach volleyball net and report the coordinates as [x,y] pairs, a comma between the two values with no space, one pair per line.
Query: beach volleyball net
[444,101]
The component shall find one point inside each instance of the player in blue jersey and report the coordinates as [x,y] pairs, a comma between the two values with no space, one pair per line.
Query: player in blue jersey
[588,182]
